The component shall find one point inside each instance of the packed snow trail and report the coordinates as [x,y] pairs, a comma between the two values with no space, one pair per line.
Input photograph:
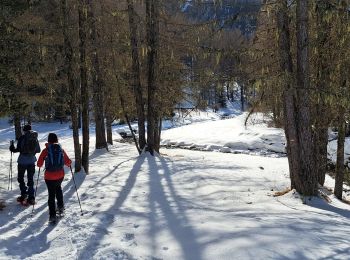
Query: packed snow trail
[180,205]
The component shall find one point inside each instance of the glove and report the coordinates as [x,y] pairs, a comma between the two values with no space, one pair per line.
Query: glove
[12,148]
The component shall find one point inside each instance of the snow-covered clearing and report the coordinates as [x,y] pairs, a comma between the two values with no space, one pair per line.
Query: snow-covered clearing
[182,204]
[228,136]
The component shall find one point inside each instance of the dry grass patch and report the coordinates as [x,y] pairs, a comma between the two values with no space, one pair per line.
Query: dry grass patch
[281,193]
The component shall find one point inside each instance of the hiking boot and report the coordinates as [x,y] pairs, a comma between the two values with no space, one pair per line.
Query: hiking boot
[60,210]
[53,219]
[21,198]
[31,201]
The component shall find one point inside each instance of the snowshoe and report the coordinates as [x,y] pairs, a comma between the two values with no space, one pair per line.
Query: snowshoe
[23,201]
[21,198]
[30,201]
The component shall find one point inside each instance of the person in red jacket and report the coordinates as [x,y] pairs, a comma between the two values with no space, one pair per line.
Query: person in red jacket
[55,158]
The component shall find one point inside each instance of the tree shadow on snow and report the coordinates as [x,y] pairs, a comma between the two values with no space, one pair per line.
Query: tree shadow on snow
[96,153]
[178,223]
[92,244]
[321,204]
[111,172]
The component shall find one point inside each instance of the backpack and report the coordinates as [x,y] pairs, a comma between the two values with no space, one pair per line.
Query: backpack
[29,143]
[54,159]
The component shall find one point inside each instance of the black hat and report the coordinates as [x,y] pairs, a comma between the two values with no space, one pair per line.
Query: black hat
[52,138]
[27,127]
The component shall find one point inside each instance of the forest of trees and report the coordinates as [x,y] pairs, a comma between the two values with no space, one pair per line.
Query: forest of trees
[98,61]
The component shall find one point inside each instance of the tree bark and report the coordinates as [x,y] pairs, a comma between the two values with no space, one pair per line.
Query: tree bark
[97,83]
[307,183]
[84,84]
[321,121]
[109,120]
[17,124]
[152,20]
[286,65]
[136,75]
[242,97]
[228,91]
[320,140]
[339,172]
[343,81]
[158,134]
[68,55]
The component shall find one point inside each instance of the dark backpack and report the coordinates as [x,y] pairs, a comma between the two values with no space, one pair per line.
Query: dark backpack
[54,160]
[29,143]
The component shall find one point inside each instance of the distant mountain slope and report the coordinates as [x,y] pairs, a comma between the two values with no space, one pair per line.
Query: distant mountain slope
[224,11]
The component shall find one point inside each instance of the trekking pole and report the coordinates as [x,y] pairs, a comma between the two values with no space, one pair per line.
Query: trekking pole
[9,179]
[11,169]
[76,190]
[36,187]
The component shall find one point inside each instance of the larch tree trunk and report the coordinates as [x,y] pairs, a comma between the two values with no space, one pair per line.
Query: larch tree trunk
[228,91]
[97,84]
[158,134]
[109,120]
[339,169]
[307,183]
[344,79]
[84,84]
[17,124]
[320,134]
[152,21]
[242,98]
[136,75]
[73,89]
[289,91]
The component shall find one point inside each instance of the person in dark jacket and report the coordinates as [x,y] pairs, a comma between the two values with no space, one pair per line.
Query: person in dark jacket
[53,176]
[26,162]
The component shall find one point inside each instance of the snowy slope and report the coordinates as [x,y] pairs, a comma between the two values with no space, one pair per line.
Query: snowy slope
[229,136]
[182,204]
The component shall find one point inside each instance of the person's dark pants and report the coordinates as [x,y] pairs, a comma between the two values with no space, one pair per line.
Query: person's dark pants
[30,179]
[55,191]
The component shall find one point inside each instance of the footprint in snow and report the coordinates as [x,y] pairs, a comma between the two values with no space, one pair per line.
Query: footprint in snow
[156,258]
[128,236]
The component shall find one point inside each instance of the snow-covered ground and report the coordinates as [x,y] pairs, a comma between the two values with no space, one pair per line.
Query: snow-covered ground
[182,204]
[228,136]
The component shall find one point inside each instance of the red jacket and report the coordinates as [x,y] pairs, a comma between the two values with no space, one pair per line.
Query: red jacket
[56,175]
